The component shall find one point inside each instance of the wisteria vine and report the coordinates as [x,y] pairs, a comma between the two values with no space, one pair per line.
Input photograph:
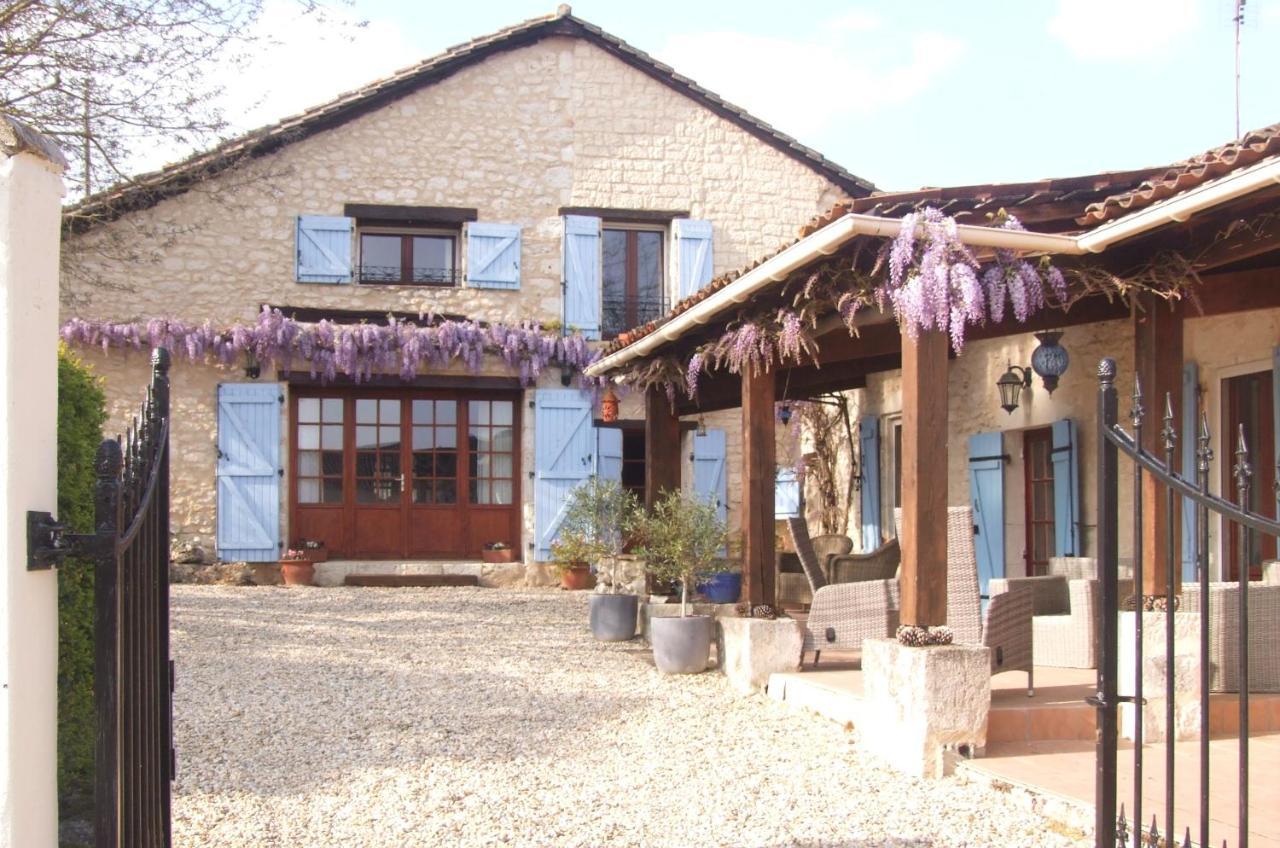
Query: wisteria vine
[355,350]
[926,276]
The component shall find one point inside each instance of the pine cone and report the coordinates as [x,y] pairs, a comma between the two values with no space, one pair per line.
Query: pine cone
[764,611]
[940,635]
[912,636]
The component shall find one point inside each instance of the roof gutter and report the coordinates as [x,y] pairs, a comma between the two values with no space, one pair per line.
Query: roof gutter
[830,238]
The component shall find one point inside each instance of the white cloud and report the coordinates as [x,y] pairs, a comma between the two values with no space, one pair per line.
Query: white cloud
[803,85]
[1123,29]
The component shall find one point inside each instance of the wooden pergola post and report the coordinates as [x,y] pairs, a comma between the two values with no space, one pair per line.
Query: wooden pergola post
[661,447]
[924,480]
[759,392]
[1157,348]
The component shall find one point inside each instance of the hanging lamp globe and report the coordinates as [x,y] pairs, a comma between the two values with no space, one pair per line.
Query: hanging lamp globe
[1050,359]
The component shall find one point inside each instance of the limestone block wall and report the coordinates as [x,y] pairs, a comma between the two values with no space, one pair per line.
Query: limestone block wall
[517,137]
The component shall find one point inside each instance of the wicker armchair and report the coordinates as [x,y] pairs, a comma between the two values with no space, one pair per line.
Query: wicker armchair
[1065,618]
[1224,634]
[828,546]
[841,616]
[880,564]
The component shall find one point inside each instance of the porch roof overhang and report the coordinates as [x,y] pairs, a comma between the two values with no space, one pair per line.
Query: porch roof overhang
[834,236]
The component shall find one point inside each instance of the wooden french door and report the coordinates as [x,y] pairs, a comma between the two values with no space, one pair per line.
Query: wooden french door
[1038,465]
[382,474]
[1246,403]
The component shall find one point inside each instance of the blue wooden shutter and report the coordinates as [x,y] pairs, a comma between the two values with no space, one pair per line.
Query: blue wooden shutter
[582,272]
[248,475]
[563,446]
[986,493]
[1190,431]
[1066,489]
[869,447]
[609,453]
[786,494]
[693,255]
[324,249]
[710,482]
[493,256]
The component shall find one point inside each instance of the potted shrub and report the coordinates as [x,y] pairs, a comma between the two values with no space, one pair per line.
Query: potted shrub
[680,540]
[571,554]
[315,550]
[498,552]
[297,569]
[600,516]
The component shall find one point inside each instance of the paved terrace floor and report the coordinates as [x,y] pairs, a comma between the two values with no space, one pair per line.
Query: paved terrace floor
[461,717]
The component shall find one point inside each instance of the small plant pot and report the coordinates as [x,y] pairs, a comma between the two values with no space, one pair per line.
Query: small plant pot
[681,645]
[722,588]
[298,572]
[575,577]
[502,555]
[613,617]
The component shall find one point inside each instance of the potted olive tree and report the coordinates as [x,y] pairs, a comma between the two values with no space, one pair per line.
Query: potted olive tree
[599,518]
[680,541]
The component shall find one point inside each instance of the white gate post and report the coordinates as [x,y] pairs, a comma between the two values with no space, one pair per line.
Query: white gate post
[30,224]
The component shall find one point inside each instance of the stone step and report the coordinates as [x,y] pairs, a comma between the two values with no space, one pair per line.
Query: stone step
[414,580]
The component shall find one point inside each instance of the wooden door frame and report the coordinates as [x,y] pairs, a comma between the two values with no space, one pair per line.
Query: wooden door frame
[406,395]
[1263,467]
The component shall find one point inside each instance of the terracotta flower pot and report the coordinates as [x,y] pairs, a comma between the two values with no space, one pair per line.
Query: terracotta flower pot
[298,572]
[500,555]
[576,577]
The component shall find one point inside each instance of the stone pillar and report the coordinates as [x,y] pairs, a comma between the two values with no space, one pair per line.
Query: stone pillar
[1155,670]
[30,226]
[922,702]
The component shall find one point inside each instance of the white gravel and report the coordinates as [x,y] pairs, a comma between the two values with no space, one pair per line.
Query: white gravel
[466,717]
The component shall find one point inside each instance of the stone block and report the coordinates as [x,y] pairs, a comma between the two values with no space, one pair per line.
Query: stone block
[502,575]
[751,649]
[628,575]
[920,702]
[467,569]
[1156,668]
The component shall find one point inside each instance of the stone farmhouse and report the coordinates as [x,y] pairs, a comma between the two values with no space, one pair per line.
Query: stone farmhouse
[546,173]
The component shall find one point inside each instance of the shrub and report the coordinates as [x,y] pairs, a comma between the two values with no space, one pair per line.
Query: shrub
[598,519]
[681,539]
[81,414]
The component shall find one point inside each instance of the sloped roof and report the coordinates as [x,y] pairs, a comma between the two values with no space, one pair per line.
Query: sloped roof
[1252,147]
[148,189]
[1049,206]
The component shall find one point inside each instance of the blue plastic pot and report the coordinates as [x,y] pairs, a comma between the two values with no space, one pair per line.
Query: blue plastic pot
[722,588]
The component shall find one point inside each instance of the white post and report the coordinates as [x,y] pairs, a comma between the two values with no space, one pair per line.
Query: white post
[30,224]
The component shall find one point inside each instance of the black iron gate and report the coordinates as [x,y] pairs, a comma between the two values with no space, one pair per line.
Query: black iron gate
[1173,488]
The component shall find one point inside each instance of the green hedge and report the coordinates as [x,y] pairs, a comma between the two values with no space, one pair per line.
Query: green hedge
[81,414]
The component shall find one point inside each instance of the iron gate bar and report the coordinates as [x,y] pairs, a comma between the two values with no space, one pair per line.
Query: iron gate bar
[1110,830]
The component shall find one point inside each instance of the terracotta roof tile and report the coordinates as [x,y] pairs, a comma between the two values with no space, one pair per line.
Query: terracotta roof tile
[1252,147]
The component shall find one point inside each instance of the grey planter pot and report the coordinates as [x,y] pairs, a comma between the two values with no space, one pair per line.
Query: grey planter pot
[682,645]
[613,617]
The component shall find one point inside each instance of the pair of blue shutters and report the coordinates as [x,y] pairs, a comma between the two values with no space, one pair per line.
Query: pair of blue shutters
[568,449]
[986,491]
[584,263]
[324,252]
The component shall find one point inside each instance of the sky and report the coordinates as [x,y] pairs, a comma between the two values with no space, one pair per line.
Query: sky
[904,94]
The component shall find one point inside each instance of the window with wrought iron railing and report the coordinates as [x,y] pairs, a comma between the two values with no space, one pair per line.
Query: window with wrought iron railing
[623,313]
[406,259]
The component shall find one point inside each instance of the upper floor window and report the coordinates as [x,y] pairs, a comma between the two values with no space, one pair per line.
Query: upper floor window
[407,258]
[632,280]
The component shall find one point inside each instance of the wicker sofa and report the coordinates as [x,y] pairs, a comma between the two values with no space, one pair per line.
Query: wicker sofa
[1224,634]
[1064,621]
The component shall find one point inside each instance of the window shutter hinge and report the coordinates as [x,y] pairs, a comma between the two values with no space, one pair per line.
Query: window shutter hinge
[280,472]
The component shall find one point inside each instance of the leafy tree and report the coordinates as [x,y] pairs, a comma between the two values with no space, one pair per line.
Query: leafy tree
[108,79]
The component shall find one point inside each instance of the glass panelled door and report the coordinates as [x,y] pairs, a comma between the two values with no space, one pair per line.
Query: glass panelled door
[384,473]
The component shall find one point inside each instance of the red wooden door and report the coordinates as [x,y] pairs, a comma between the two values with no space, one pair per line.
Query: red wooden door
[1038,465]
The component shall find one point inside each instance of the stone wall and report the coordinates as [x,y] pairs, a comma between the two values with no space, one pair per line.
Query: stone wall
[517,136]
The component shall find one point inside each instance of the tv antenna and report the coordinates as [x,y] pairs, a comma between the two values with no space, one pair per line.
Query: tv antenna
[1239,20]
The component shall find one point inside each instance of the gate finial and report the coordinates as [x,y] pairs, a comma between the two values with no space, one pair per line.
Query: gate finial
[1107,371]
[1137,412]
[1169,434]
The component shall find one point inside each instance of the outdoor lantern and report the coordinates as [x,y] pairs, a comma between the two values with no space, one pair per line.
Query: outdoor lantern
[566,376]
[1050,359]
[1011,385]
[702,426]
[784,415]
[609,406]
[252,369]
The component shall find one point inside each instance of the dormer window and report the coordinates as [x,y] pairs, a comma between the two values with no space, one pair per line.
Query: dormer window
[418,257]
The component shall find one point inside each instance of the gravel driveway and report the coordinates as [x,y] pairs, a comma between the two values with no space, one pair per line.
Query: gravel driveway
[461,717]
